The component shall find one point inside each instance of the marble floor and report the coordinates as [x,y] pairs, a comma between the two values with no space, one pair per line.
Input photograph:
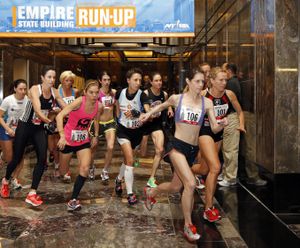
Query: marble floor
[106,220]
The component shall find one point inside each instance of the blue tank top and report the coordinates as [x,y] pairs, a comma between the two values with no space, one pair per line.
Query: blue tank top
[184,114]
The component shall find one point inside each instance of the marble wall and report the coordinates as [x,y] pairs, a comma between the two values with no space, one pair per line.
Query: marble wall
[287,87]
[262,25]
[262,38]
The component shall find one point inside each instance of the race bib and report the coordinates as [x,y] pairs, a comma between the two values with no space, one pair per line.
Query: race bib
[158,114]
[69,99]
[188,115]
[79,135]
[13,125]
[133,124]
[220,111]
[36,120]
[107,101]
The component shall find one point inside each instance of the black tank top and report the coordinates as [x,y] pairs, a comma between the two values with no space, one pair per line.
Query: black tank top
[222,107]
[155,100]
[29,115]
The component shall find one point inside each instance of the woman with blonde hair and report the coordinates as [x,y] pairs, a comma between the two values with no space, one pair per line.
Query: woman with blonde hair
[224,102]
[68,94]
[74,136]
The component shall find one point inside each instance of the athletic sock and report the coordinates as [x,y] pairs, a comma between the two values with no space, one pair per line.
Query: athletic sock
[122,172]
[78,186]
[129,179]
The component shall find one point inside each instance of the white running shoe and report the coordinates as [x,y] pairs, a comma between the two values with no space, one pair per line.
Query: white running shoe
[199,183]
[104,175]
[16,184]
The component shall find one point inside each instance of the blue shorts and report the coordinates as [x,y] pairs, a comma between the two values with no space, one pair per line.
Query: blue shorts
[3,135]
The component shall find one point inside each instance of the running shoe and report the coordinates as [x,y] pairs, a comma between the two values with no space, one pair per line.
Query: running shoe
[136,162]
[104,175]
[132,199]
[67,177]
[225,183]
[212,214]
[220,177]
[51,157]
[200,184]
[92,172]
[34,200]
[149,200]
[118,186]
[4,189]
[73,205]
[190,232]
[152,182]
[16,184]
[257,182]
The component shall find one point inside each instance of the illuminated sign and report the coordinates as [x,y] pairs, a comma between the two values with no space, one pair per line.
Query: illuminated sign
[62,18]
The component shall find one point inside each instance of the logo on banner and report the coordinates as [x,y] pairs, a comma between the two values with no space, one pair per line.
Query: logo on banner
[64,16]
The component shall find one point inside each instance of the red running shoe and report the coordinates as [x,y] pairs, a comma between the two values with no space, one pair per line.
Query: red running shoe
[212,214]
[34,200]
[190,232]
[149,201]
[4,189]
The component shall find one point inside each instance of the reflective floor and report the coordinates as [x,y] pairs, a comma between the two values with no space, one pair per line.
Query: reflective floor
[107,221]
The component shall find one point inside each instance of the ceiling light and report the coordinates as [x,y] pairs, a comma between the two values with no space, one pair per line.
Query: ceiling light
[125,45]
[247,45]
[138,53]
[97,44]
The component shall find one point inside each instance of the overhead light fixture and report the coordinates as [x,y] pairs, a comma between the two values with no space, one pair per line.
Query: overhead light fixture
[125,45]
[287,69]
[138,54]
[97,44]
[153,45]
[247,45]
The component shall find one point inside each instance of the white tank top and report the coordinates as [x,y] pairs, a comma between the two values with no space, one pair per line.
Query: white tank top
[127,105]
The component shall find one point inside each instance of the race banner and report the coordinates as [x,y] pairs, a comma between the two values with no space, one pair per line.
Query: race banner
[96,18]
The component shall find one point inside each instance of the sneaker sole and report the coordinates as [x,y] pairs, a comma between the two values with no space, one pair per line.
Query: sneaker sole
[151,186]
[211,221]
[32,204]
[189,239]
[104,179]
[133,203]
[74,209]
[146,202]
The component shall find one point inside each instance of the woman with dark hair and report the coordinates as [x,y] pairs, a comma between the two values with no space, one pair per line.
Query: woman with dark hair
[11,109]
[183,148]
[130,104]
[107,123]
[41,100]
[154,127]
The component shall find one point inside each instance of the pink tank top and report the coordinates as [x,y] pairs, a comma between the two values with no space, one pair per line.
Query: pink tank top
[76,129]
